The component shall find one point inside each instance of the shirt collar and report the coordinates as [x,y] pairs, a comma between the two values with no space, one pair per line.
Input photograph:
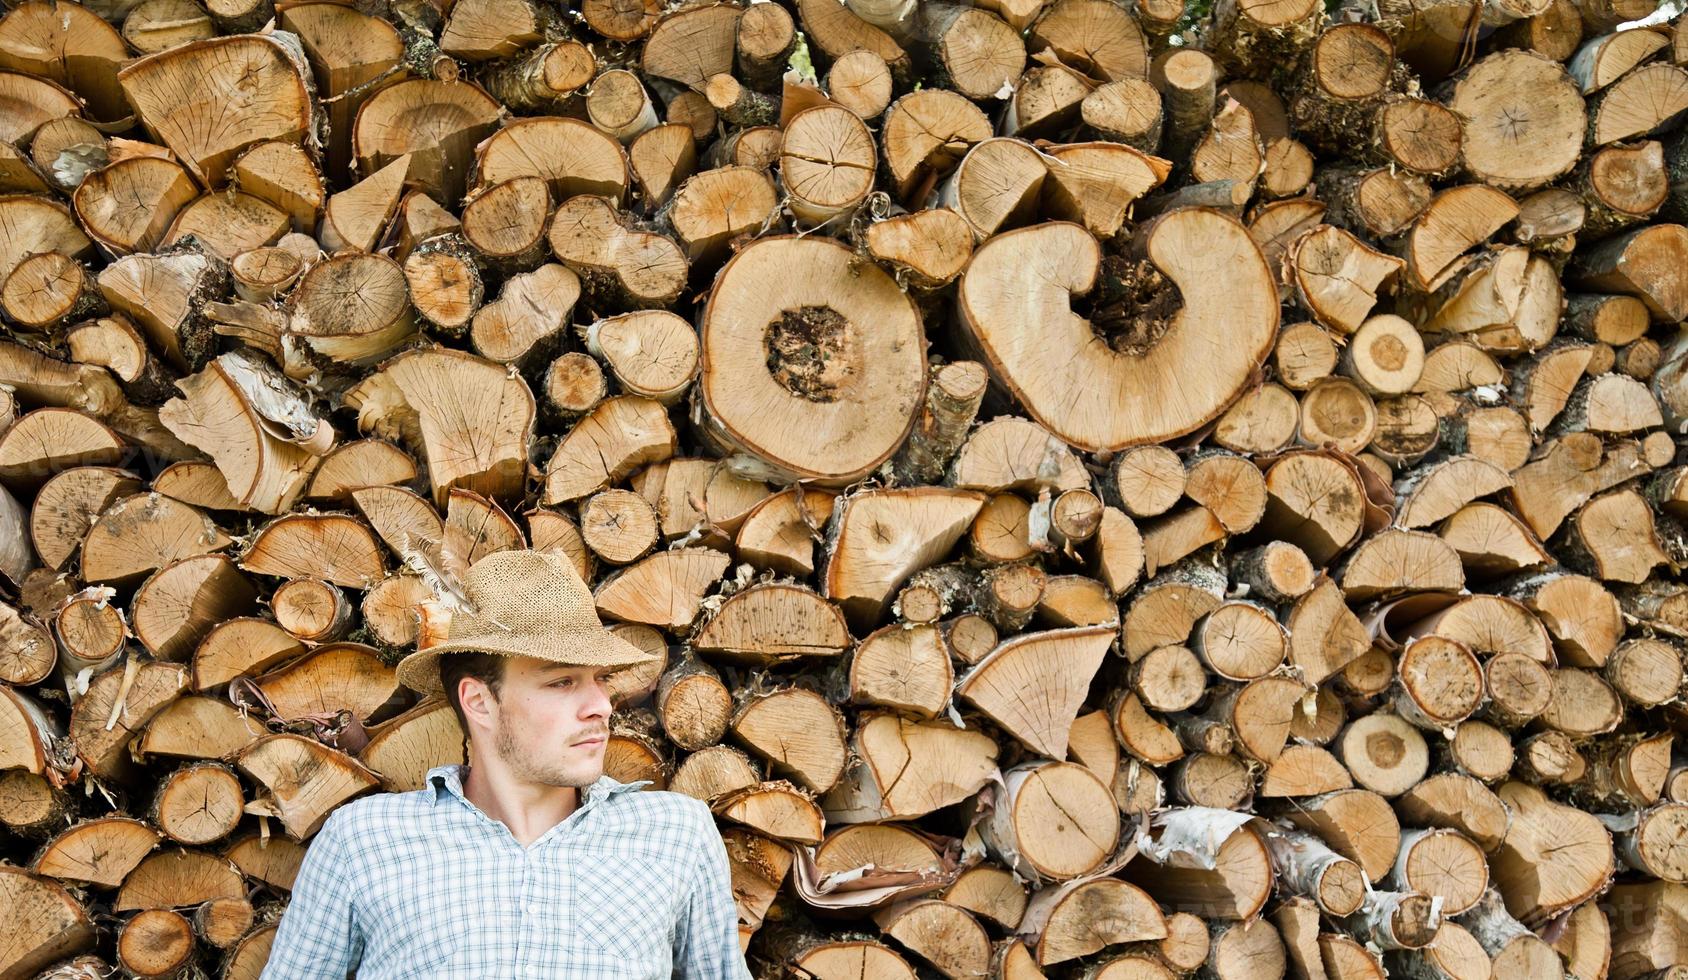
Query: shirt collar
[449,779]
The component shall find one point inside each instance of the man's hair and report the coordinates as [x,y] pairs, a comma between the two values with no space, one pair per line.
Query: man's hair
[488,668]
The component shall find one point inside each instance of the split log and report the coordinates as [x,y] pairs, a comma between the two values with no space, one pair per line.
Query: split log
[1059,662]
[628,267]
[905,669]
[303,780]
[715,207]
[274,79]
[1069,921]
[1207,862]
[596,163]
[1356,823]
[865,564]
[52,924]
[116,705]
[1563,852]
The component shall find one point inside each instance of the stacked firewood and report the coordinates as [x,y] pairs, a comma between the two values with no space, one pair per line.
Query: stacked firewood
[1118,490]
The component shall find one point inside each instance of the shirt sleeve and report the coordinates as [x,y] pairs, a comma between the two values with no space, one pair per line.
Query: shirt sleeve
[706,944]
[319,936]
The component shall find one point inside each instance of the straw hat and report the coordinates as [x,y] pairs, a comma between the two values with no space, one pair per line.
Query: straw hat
[521,603]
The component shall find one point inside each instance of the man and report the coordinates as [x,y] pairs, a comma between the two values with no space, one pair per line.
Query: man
[505,869]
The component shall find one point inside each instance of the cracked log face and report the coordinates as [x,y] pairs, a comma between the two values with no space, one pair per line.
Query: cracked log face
[810,364]
[1524,120]
[1133,372]
[826,162]
[209,100]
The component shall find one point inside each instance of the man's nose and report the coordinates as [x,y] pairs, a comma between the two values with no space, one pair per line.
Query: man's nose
[597,702]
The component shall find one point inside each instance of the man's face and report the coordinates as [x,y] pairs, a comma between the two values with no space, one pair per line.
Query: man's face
[551,723]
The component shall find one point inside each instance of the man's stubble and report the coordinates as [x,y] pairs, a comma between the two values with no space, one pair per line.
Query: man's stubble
[528,767]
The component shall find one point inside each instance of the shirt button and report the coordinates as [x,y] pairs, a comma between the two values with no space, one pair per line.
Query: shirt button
[533,910]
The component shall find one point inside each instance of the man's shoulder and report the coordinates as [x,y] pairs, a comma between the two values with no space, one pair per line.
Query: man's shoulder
[381,809]
[663,803]
[663,813]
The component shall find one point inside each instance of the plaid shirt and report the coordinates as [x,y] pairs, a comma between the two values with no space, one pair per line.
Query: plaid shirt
[423,884]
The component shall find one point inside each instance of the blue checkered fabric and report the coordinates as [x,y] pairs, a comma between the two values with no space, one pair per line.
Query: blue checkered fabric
[631,885]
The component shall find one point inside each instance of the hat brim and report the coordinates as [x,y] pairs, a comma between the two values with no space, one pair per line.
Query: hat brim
[420,671]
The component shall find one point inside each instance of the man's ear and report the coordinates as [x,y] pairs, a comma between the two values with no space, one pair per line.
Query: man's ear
[480,705]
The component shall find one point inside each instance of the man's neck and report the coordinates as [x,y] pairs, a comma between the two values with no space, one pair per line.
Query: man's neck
[527,809]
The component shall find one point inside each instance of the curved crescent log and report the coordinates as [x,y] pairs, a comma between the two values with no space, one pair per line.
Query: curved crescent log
[1016,307]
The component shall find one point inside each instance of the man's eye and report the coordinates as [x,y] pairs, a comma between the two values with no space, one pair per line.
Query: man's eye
[565,682]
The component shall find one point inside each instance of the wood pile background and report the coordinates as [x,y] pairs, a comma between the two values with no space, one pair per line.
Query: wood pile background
[1122,491]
